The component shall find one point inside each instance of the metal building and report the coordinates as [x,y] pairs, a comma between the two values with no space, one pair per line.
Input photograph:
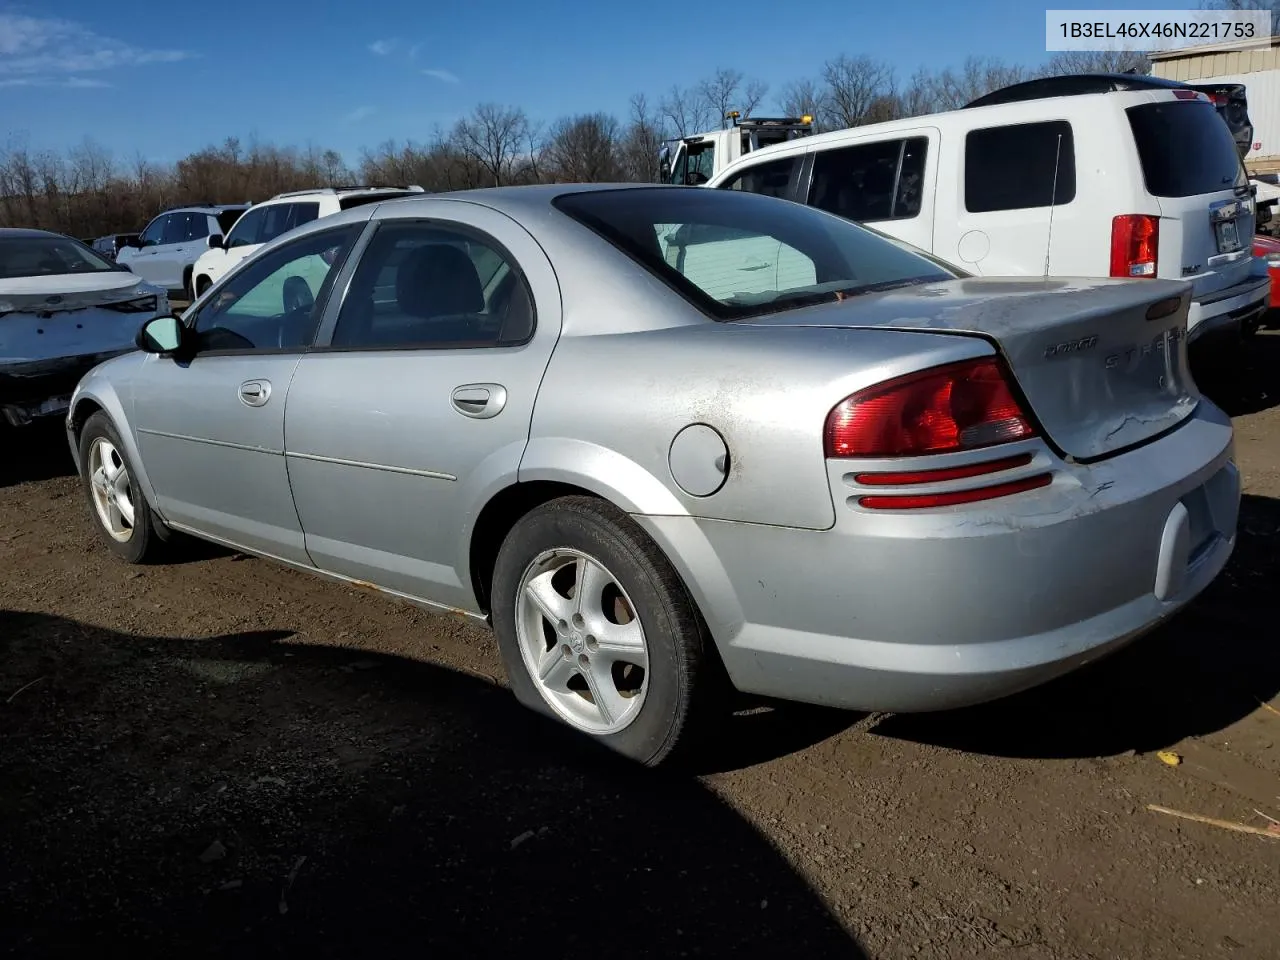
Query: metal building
[1257,67]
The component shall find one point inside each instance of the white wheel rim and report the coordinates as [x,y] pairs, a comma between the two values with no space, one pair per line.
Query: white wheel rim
[111,489]
[581,641]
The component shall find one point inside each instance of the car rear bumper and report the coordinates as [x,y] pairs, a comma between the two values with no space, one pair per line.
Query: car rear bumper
[1229,310]
[35,389]
[946,608]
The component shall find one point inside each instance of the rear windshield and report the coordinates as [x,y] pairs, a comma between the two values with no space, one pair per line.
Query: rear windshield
[359,199]
[736,254]
[1185,149]
[47,256]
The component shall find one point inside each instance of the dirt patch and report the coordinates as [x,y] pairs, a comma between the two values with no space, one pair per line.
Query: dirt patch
[224,755]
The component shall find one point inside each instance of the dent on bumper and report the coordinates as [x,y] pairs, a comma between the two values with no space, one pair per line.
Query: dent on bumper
[909,624]
[43,388]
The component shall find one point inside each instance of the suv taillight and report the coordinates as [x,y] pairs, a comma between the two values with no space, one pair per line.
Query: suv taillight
[1135,245]
[959,406]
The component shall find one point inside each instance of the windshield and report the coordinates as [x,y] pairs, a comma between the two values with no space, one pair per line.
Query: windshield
[737,255]
[37,256]
[1162,131]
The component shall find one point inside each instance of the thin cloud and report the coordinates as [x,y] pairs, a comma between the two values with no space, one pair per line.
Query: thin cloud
[382,48]
[41,47]
[70,83]
[444,75]
[358,114]
[413,51]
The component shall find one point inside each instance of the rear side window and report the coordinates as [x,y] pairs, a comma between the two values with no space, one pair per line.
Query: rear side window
[1019,166]
[304,213]
[1171,166]
[870,181]
[773,179]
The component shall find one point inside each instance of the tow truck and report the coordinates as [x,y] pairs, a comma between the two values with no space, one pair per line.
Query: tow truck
[695,159]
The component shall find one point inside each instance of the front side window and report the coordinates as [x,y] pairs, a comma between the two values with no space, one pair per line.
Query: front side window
[1019,167]
[870,181]
[275,302]
[247,228]
[154,233]
[736,254]
[773,179]
[421,284]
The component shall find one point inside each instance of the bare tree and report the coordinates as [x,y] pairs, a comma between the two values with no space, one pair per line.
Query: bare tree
[685,111]
[726,90]
[584,149]
[805,98]
[853,85]
[977,77]
[638,151]
[1097,61]
[494,137]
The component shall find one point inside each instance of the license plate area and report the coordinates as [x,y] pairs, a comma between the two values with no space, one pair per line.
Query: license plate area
[1226,216]
[1227,235]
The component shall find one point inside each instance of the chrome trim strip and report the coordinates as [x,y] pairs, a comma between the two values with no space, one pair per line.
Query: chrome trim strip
[429,474]
[212,443]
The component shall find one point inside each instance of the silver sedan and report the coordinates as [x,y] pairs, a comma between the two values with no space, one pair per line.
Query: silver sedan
[670,441]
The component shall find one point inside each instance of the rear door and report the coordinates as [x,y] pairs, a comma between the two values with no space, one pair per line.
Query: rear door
[416,403]
[1191,167]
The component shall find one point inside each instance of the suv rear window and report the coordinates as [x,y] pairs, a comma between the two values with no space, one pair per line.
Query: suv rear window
[735,254]
[1185,149]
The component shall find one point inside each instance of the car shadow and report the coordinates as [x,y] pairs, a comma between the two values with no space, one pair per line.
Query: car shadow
[38,451]
[253,794]
[1205,669]
[1242,381]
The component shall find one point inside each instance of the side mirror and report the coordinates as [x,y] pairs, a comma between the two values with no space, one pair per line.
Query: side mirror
[216,242]
[161,335]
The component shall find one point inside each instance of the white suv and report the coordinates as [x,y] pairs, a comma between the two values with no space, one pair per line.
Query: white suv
[265,221]
[1087,176]
[164,252]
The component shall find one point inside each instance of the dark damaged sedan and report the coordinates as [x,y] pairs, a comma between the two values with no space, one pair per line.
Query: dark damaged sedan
[64,308]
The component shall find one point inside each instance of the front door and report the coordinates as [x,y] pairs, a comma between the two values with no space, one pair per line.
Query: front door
[415,408]
[211,426]
[142,259]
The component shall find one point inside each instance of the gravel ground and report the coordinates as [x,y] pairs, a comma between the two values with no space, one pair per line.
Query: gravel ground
[224,756]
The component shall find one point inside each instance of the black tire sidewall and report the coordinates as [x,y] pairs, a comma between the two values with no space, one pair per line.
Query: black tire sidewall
[136,547]
[664,615]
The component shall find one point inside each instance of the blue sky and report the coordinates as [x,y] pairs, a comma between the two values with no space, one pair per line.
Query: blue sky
[165,77]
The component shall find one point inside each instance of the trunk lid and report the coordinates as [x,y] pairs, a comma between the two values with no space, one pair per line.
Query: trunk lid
[1102,363]
[1207,214]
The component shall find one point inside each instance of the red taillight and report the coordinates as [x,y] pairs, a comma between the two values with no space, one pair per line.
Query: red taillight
[960,406]
[1135,245]
[923,501]
[941,474]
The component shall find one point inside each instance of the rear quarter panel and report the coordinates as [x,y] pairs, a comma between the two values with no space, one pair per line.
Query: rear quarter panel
[611,405]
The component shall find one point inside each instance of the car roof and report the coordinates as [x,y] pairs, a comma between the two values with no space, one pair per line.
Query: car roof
[29,233]
[1019,106]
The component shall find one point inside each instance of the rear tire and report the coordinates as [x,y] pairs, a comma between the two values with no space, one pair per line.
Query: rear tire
[626,660]
[119,511]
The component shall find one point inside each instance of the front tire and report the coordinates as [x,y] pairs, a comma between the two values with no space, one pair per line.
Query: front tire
[203,283]
[597,630]
[119,510]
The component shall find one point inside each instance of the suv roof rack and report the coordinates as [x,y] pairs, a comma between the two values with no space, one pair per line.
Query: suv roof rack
[353,188]
[1071,85]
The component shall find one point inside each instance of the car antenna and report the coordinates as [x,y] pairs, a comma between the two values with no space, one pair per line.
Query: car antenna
[1053,202]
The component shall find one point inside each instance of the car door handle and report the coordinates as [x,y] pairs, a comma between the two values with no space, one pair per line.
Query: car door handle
[480,400]
[255,393]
